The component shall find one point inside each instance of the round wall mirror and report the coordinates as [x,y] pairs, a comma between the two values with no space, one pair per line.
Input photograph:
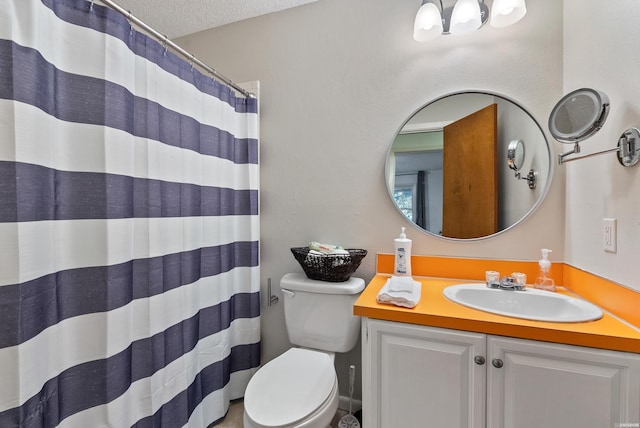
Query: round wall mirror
[578,115]
[446,170]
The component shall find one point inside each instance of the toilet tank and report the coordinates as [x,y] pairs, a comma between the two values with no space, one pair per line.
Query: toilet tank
[319,314]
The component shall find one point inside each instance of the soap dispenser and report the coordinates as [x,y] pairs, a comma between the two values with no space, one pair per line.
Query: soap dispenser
[403,255]
[544,280]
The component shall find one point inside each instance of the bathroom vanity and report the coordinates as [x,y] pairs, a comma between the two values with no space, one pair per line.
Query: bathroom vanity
[442,364]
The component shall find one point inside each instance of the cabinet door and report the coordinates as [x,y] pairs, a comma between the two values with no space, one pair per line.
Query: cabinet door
[550,385]
[416,376]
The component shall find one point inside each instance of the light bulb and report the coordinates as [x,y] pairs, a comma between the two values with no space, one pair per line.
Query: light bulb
[507,12]
[428,23]
[466,17]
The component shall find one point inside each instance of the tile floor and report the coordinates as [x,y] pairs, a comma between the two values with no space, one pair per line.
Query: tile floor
[234,417]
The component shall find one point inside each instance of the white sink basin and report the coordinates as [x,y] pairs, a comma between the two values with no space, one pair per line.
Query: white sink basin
[537,305]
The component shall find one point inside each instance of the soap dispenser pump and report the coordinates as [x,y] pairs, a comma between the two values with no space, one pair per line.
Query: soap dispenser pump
[544,280]
[403,255]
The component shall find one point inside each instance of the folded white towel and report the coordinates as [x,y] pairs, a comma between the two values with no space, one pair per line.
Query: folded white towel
[400,291]
[327,248]
[401,283]
[312,256]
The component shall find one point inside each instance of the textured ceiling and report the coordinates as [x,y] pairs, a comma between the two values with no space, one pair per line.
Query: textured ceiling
[175,18]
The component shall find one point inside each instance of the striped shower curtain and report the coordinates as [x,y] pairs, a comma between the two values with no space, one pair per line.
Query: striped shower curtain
[129,227]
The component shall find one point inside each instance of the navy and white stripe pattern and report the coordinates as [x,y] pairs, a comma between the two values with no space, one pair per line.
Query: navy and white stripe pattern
[129,226]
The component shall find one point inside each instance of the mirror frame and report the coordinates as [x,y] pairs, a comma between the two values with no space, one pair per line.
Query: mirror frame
[534,207]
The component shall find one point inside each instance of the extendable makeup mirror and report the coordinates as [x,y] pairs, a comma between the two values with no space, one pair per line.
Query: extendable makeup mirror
[515,154]
[578,115]
[582,113]
[515,161]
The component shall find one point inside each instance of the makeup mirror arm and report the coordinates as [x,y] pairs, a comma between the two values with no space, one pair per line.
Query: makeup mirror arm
[628,149]
[561,159]
[531,178]
[561,156]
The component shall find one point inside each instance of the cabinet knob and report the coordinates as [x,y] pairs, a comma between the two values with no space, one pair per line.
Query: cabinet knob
[497,363]
[479,360]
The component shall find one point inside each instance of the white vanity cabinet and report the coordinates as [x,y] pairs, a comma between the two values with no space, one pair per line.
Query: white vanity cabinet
[533,384]
[417,376]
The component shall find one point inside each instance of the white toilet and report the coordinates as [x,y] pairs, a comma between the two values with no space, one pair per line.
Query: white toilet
[300,387]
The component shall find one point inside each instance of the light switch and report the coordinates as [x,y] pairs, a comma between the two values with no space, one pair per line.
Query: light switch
[609,235]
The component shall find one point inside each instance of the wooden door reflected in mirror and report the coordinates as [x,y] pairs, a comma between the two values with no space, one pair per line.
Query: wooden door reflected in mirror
[470,185]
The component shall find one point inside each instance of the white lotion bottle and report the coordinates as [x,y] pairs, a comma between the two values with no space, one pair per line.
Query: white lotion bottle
[403,255]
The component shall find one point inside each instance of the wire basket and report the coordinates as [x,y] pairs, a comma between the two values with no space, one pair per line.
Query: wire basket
[329,267]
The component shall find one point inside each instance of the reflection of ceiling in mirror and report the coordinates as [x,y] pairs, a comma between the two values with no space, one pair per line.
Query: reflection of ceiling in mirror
[447,110]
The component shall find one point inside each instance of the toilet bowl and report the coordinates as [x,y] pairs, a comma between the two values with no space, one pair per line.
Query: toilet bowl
[297,389]
[300,387]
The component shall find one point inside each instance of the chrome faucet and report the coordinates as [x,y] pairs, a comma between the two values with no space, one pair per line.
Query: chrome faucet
[506,283]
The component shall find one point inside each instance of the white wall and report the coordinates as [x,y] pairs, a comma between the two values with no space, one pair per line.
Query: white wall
[601,42]
[338,79]
[516,198]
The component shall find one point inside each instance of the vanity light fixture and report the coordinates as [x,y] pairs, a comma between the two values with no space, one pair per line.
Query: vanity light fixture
[463,17]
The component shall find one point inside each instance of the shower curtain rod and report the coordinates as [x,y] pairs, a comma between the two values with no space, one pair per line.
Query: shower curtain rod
[166,42]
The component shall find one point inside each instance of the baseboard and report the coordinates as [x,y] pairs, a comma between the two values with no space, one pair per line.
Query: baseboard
[344,404]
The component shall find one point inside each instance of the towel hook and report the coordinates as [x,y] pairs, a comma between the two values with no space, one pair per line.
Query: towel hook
[273,299]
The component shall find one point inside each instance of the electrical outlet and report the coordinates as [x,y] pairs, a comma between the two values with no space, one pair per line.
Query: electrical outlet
[609,235]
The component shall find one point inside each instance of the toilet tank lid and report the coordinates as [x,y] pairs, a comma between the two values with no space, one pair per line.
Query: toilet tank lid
[300,282]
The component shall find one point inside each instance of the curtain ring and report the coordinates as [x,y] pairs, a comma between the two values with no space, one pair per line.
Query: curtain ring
[192,61]
[130,19]
[164,44]
[91,6]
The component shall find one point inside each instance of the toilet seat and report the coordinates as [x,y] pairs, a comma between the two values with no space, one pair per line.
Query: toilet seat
[290,388]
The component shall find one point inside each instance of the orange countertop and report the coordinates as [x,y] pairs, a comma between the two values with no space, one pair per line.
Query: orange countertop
[435,310]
